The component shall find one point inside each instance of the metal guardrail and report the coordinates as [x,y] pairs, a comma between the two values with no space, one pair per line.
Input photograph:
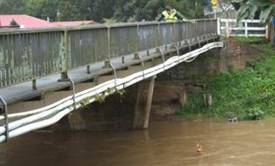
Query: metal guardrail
[34,53]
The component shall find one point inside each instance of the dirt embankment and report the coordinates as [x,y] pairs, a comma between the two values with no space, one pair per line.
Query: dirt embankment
[172,87]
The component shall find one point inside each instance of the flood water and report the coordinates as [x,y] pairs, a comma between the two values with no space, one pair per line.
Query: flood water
[166,143]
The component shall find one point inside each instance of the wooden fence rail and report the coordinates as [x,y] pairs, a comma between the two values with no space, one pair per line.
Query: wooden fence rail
[247,28]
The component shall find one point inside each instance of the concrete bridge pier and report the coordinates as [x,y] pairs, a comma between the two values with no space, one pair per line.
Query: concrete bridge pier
[143,104]
[128,111]
[76,121]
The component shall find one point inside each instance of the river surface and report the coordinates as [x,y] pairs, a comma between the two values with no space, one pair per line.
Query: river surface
[166,143]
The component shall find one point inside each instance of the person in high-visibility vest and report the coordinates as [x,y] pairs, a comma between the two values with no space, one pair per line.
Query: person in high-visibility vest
[170,15]
[214,3]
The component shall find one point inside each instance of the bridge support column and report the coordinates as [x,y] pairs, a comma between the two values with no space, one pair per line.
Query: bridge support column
[76,121]
[143,104]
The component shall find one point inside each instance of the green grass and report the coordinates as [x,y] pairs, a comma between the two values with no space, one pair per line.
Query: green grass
[249,40]
[247,93]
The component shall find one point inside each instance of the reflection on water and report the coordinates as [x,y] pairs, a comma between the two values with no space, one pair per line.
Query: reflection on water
[166,143]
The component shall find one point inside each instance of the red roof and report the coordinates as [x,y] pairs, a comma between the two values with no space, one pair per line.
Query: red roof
[24,21]
[72,23]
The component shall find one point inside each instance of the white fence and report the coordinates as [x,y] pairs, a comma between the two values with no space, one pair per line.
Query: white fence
[247,28]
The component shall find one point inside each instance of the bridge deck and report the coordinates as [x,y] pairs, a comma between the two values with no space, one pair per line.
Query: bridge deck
[50,83]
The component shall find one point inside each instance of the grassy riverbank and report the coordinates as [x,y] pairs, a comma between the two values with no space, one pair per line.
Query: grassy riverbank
[248,93]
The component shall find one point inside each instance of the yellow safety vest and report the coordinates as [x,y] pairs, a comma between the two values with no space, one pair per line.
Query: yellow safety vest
[170,17]
[214,3]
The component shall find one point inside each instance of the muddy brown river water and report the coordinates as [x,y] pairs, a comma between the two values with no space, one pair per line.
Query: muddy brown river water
[166,143]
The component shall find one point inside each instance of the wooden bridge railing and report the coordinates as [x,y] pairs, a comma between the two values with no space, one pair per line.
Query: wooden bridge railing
[28,54]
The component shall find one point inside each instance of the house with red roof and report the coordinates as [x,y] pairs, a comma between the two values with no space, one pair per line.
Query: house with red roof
[26,21]
[23,21]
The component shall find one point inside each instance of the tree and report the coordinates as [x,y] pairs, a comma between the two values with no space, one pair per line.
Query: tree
[86,9]
[120,10]
[42,8]
[249,8]
[102,9]
[12,7]
[266,8]
[71,10]
[137,10]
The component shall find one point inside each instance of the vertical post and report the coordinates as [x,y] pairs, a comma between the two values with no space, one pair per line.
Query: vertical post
[227,28]
[66,51]
[108,59]
[65,58]
[215,11]
[246,28]
[208,100]
[174,33]
[34,86]
[149,103]
[137,40]
[158,42]
[194,29]
[75,119]
[88,69]
[109,42]
[266,31]
[273,34]
[183,26]
[204,29]
[143,104]
[219,26]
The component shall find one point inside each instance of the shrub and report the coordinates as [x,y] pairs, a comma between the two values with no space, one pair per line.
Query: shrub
[255,114]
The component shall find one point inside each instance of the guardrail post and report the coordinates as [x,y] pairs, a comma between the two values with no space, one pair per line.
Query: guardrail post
[123,59]
[34,86]
[175,34]
[108,62]
[158,40]
[108,59]
[88,69]
[246,28]
[227,28]
[136,54]
[65,58]
[219,26]
[273,34]
[266,31]
[158,43]
[148,52]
